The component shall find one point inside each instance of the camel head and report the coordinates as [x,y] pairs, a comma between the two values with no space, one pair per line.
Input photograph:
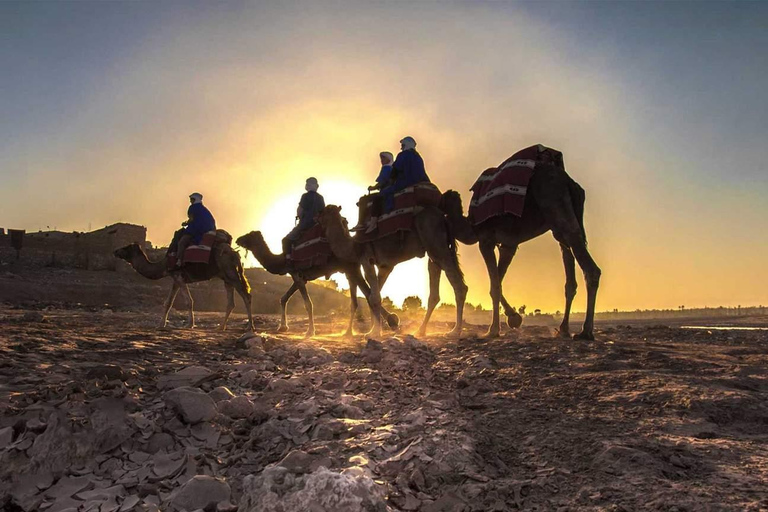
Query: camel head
[128,252]
[330,216]
[250,240]
[450,203]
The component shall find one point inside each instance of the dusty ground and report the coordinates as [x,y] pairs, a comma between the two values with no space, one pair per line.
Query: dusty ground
[644,418]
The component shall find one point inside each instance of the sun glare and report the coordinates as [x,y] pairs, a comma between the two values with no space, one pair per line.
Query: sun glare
[409,278]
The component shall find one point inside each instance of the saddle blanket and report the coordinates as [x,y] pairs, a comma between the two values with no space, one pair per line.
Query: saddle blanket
[201,253]
[502,190]
[408,203]
[311,249]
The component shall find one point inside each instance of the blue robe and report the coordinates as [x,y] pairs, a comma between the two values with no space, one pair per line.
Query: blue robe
[407,170]
[201,222]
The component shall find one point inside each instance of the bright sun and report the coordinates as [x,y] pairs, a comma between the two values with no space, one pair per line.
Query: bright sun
[409,278]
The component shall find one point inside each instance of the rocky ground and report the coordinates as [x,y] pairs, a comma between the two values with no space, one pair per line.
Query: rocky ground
[101,411]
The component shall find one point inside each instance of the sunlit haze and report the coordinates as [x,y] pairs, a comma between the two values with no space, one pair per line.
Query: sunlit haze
[115,112]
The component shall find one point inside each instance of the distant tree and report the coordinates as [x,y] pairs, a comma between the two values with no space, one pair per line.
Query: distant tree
[412,303]
[521,310]
[387,303]
[536,312]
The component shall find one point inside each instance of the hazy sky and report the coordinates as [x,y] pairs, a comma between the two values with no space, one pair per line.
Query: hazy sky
[117,111]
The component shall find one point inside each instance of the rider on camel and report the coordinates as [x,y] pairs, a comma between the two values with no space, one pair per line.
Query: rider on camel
[407,170]
[199,221]
[310,204]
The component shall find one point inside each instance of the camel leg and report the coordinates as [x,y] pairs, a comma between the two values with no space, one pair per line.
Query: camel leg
[191,316]
[169,303]
[506,254]
[247,301]
[353,284]
[488,251]
[383,275]
[308,305]
[443,253]
[230,304]
[284,306]
[592,277]
[456,278]
[392,320]
[374,298]
[570,289]
[434,294]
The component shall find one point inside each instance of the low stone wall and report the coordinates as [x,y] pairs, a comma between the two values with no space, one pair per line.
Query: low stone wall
[92,251]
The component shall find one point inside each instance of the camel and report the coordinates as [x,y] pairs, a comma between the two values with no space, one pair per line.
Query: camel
[430,235]
[277,264]
[554,202]
[225,264]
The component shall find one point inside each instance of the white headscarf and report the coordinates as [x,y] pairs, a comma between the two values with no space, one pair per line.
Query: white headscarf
[408,143]
[388,157]
[311,185]
[197,197]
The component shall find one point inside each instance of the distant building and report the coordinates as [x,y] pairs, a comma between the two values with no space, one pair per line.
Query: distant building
[92,250]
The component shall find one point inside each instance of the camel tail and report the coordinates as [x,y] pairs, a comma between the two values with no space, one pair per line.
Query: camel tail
[578,198]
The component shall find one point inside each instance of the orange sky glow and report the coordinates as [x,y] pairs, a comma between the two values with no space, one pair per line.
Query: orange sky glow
[245,104]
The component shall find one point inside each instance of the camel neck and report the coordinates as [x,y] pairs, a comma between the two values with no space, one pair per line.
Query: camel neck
[342,245]
[149,269]
[461,228]
[272,263]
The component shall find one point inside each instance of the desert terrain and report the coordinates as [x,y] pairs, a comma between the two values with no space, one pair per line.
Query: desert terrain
[100,410]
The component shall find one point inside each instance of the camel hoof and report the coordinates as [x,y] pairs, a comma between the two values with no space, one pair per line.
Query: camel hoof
[493,333]
[393,321]
[421,333]
[514,320]
[454,332]
[348,334]
[309,334]
[282,328]
[564,333]
[583,335]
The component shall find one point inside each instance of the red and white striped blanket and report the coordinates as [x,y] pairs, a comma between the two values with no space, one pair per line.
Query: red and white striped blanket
[408,202]
[312,249]
[502,190]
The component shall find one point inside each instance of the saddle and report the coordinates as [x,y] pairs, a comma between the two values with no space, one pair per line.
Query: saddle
[310,250]
[200,253]
[407,204]
[502,190]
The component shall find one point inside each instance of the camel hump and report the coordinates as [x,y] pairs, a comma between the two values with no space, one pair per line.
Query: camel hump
[223,237]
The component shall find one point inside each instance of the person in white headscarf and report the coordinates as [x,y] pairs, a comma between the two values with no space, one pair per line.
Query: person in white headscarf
[310,204]
[199,221]
[382,180]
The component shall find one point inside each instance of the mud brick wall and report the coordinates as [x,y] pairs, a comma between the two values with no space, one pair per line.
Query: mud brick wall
[92,251]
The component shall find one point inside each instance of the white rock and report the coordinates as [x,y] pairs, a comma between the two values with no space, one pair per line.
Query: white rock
[277,490]
[192,404]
